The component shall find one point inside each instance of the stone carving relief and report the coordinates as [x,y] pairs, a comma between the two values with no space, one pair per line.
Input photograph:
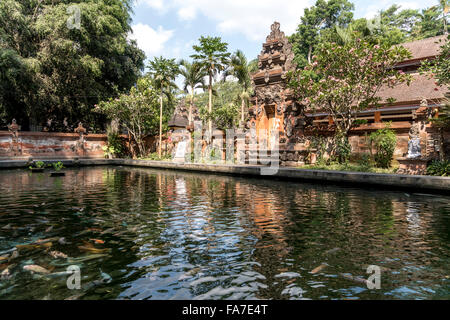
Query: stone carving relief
[414,148]
[80,143]
[270,94]
[275,33]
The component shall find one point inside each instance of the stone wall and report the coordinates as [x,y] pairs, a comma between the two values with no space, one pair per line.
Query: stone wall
[51,144]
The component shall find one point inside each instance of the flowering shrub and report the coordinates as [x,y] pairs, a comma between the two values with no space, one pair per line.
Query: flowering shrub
[344,79]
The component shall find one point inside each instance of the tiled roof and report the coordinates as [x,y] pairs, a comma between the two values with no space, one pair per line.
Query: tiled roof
[421,87]
[178,121]
[425,48]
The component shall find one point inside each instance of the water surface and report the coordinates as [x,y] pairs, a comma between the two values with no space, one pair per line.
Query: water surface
[154,234]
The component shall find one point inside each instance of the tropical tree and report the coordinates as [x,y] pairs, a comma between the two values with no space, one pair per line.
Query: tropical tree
[344,79]
[240,69]
[52,69]
[163,71]
[324,15]
[226,102]
[433,20]
[137,111]
[194,78]
[212,55]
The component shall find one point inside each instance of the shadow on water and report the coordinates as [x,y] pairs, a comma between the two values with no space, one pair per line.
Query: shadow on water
[149,234]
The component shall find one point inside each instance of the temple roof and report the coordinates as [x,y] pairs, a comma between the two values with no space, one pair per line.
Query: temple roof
[425,48]
[178,121]
[421,87]
[181,114]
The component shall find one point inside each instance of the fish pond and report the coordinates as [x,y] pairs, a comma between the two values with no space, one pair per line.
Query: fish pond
[136,233]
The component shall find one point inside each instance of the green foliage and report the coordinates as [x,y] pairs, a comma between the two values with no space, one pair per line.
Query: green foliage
[240,69]
[211,54]
[343,149]
[344,79]
[155,157]
[115,146]
[315,20]
[57,166]
[51,72]
[356,167]
[332,21]
[163,71]
[225,111]
[137,111]
[38,165]
[384,142]
[439,168]
[213,57]
[194,78]
[365,161]
[318,145]
[224,116]
[433,21]
[440,67]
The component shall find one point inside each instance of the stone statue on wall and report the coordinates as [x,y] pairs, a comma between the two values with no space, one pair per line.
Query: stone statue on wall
[80,148]
[414,149]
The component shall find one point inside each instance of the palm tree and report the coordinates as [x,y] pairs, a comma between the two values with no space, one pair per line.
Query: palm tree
[240,69]
[213,57]
[163,72]
[194,78]
[445,5]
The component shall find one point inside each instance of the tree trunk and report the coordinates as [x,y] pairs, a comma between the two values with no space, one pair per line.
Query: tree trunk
[210,108]
[441,144]
[242,109]
[309,54]
[160,126]
[190,108]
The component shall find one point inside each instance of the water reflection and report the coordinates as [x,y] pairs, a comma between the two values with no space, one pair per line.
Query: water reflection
[177,235]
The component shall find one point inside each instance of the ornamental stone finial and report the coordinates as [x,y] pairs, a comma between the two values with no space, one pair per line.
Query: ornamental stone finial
[13,126]
[80,129]
[424,103]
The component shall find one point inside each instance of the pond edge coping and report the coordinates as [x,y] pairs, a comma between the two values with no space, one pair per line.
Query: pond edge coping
[350,178]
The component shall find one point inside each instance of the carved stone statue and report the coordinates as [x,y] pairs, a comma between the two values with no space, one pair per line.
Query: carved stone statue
[80,143]
[414,149]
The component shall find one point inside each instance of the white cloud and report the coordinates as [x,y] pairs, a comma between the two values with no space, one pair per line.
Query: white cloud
[373,10]
[251,18]
[155,4]
[187,13]
[150,40]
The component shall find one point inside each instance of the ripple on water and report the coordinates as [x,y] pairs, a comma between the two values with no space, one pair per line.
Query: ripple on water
[166,235]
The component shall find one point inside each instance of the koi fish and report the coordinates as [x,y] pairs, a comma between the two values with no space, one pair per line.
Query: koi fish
[319,268]
[57,254]
[98,241]
[36,269]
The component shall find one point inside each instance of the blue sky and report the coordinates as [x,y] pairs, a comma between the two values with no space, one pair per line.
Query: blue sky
[170,27]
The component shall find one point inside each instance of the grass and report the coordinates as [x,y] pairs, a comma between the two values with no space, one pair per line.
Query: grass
[349,167]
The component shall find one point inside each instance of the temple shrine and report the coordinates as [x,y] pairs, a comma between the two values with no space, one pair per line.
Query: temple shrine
[274,109]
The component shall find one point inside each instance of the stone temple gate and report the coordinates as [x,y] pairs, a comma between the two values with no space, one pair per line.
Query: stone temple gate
[276,119]
[272,107]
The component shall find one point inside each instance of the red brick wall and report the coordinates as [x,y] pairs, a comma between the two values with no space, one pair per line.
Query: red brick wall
[51,144]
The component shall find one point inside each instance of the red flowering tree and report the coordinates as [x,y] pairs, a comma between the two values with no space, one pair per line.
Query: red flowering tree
[345,79]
